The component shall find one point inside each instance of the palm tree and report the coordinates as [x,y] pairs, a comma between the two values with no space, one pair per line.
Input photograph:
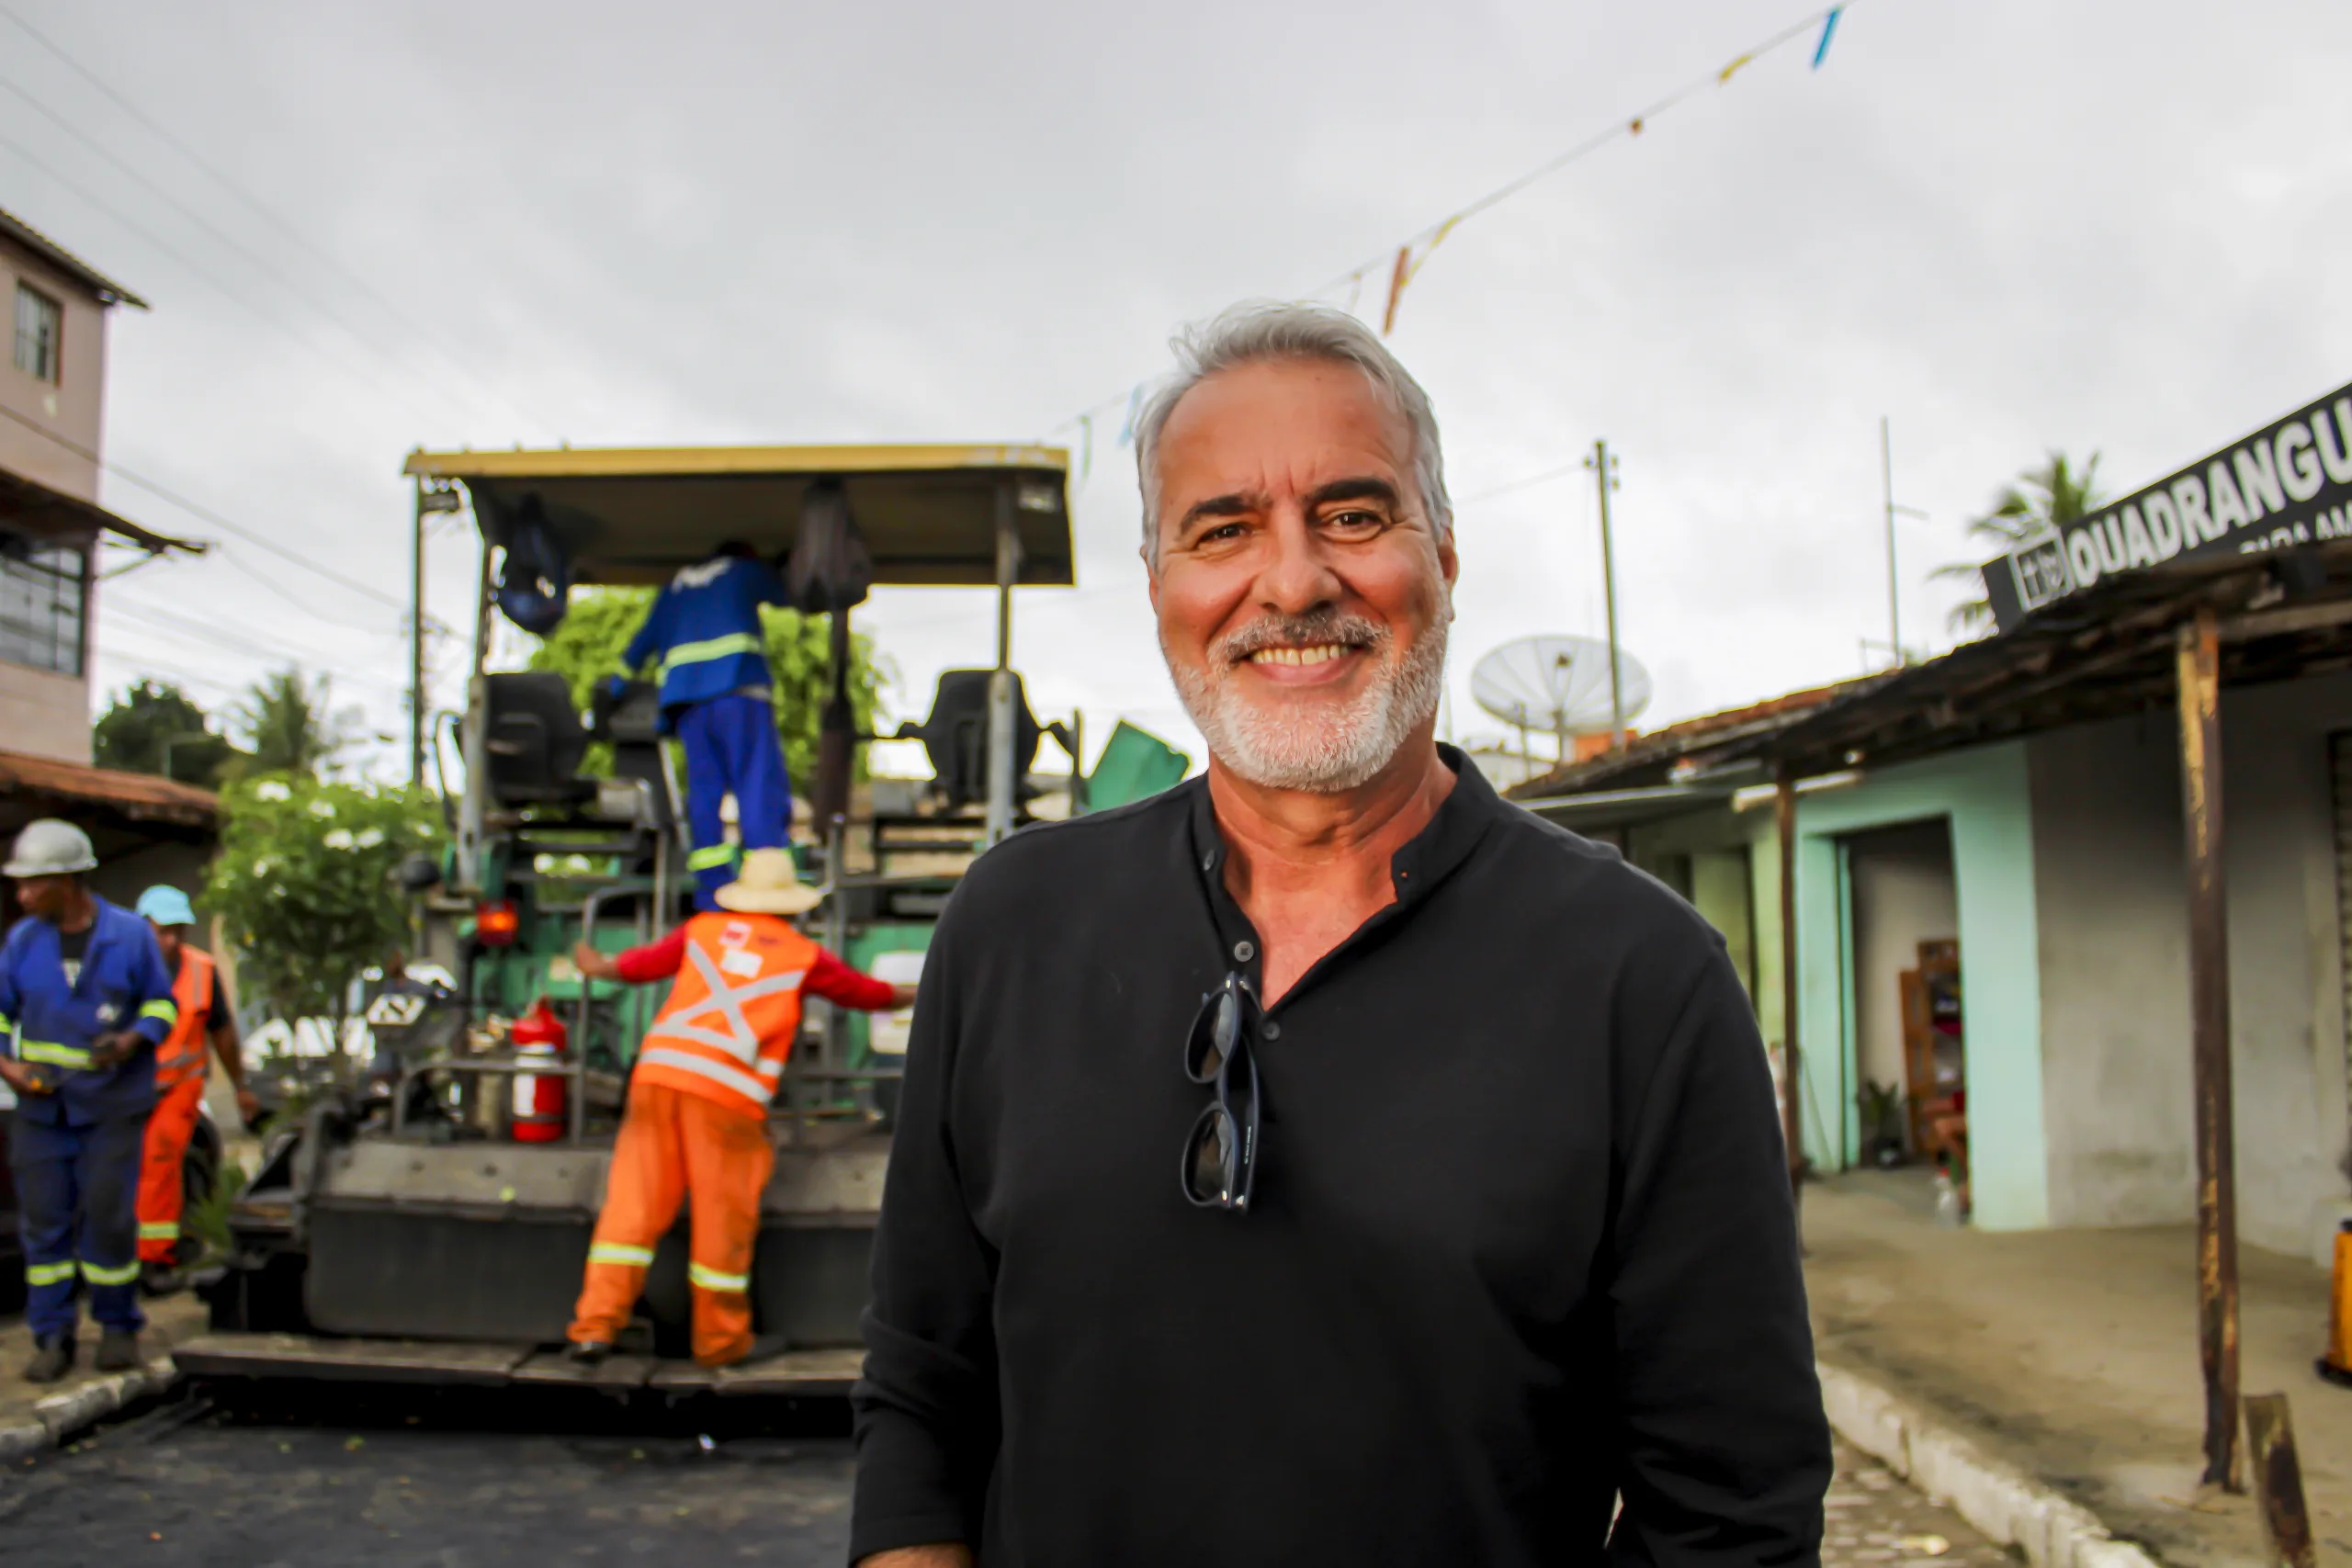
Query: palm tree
[2037,502]
[288,725]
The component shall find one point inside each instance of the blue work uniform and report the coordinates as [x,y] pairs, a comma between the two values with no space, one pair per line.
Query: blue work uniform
[717,698]
[76,1153]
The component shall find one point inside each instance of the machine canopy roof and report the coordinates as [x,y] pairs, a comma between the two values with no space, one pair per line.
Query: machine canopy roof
[637,515]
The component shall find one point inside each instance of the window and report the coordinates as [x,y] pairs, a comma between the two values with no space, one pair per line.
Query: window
[41,595]
[41,323]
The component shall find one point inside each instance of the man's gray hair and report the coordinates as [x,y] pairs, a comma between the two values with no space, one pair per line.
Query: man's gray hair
[1266,329]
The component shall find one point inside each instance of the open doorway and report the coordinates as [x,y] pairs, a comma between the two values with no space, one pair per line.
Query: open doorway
[1905,1014]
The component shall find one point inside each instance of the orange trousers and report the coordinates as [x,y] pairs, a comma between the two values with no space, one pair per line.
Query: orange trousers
[674,1145]
[169,1128]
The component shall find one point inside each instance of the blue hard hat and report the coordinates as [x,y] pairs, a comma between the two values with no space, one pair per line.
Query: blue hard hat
[166,906]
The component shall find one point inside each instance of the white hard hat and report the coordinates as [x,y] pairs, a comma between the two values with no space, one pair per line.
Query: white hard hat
[51,848]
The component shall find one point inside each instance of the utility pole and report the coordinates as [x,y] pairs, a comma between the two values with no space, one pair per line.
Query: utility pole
[1894,577]
[432,496]
[1604,468]
[416,645]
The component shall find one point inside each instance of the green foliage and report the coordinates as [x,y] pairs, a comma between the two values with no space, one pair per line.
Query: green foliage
[208,1220]
[586,650]
[290,727]
[2037,502]
[154,723]
[304,883]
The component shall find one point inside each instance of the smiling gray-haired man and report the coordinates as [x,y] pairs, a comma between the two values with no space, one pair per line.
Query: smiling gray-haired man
[1325,1161]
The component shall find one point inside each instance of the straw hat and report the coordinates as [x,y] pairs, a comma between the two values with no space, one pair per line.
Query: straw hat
[768,884]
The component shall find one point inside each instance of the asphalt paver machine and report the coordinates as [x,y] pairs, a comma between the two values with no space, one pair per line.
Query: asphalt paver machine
[432,1224]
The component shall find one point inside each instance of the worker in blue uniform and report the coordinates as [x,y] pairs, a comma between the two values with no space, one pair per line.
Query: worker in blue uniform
[84,1000]
[718,697]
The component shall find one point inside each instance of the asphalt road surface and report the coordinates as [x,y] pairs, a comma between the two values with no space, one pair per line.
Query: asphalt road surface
[394,1479]
[449,1482]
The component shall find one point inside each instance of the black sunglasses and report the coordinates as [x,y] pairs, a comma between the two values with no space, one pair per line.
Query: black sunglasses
[1221,1152]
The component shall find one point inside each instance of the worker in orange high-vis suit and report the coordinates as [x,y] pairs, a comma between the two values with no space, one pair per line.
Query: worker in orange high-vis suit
[204,1016]
[696,1129]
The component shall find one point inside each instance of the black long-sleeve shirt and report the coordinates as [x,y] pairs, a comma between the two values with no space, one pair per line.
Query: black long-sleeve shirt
[1522,1238]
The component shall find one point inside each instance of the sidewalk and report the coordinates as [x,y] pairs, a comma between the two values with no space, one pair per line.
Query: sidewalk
[2072,1356]
[169,1321]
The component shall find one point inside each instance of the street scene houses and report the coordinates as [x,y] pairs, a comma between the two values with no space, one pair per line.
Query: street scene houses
[2016,806]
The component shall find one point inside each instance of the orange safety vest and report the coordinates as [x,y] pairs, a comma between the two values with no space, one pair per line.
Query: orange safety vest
[181,1056]
[728,1026]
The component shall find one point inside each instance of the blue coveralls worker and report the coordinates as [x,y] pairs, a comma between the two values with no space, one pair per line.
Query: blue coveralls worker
[718,698]
[84,1000]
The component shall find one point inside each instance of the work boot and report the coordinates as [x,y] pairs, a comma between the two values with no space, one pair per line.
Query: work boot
[118,1350]
[53,1359]
[161,1280]
[589,1352]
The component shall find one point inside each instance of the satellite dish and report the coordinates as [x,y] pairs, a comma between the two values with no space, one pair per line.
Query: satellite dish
[1558,684]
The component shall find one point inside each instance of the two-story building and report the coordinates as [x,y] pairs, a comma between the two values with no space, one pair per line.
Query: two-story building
[52,408]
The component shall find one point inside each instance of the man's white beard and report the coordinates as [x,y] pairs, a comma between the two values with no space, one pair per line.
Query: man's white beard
[1302,740]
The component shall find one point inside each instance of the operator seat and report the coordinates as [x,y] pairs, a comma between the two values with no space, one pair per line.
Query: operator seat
[535,741]
[955,737]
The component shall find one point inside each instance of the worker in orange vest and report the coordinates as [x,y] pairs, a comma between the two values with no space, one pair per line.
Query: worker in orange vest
[698,1097]
[204,1014]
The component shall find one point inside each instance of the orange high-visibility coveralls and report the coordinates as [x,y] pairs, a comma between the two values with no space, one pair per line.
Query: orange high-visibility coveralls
[697,1121]
[179,1098]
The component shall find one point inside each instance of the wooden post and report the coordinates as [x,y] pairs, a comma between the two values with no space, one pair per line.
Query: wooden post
[2209,1005]
[2279,1482]
[1784,811]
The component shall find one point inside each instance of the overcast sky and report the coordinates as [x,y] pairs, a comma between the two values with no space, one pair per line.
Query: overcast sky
[2010,225]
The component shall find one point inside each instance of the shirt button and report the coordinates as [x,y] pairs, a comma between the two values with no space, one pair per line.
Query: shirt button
[1272,1030]
[1243,951]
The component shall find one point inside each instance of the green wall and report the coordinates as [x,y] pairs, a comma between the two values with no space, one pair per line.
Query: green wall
[1983,793]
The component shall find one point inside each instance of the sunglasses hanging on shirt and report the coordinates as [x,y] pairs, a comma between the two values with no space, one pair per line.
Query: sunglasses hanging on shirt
[1221,1152]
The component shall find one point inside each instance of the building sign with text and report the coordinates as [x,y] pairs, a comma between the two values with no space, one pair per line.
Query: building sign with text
[2288,485]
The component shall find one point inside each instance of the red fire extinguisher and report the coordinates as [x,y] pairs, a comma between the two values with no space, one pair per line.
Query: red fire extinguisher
[540,1101]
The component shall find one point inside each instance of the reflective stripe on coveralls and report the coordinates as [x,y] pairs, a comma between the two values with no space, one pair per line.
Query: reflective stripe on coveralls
[713,855]
[710,648]
[712,1279]
[628,1256]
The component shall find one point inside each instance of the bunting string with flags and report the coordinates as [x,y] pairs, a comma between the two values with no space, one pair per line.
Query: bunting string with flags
[1409,255]
[1408,264]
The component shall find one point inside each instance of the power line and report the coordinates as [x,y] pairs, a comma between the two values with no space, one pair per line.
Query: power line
[422,334]
[260,263]
[1428,236]
[155,617]
[226,291]
[208,515]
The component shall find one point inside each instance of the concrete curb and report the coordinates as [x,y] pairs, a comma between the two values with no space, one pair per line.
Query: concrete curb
[62,1415]
[2010,1506]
